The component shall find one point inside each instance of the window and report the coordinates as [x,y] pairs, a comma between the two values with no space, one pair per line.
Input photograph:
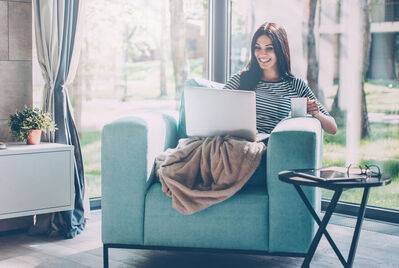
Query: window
[127,65]
[129,54]
[381,88]
[379,125]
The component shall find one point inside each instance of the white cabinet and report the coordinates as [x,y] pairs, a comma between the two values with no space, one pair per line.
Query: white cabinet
[36,179]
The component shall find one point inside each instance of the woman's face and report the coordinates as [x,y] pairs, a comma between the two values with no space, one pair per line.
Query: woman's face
[264,53]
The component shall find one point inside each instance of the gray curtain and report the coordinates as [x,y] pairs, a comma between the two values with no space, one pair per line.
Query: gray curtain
[58,29]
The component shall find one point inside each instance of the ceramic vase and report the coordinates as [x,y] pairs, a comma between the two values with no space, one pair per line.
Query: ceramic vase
[34,136]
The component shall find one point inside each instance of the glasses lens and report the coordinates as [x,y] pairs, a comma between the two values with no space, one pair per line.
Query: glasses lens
[373,170]
[355,169]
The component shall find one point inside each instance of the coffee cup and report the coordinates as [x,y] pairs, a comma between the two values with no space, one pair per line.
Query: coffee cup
[298,107]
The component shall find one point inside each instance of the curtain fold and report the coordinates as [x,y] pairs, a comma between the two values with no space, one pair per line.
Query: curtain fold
[58,30]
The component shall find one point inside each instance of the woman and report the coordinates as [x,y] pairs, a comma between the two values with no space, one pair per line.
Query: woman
[268,73]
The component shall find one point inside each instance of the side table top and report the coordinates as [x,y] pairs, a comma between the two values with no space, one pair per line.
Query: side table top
[292,177]
[21,148]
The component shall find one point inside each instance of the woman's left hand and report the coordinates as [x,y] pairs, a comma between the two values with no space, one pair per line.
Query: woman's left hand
[312,107]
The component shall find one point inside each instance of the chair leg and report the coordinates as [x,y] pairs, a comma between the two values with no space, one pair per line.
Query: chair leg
[105,256]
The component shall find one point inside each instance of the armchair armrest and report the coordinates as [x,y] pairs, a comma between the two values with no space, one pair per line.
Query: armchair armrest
[129,146]
[295,143]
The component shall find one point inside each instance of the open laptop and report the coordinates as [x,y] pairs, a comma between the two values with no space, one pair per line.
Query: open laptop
[219,112]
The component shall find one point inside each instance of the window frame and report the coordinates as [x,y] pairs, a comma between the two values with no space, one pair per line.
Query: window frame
[219,40]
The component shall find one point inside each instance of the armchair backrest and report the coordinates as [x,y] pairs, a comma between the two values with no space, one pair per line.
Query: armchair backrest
[194,82]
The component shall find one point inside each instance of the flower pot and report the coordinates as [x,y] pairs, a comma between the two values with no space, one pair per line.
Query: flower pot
[34,136]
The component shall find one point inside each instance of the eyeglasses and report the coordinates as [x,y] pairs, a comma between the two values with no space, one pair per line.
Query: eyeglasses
[368,170]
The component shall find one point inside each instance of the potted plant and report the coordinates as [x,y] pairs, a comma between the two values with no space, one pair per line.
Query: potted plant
[29,124]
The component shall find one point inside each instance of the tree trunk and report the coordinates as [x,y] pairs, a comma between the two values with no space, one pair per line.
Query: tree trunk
[162,53]
[313,63]
[178,42]
[365,124]
[336,107]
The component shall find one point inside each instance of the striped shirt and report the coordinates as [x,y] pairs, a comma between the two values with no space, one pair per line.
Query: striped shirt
[273,100]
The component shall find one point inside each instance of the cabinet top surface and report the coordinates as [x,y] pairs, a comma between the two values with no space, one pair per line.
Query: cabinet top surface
[20,148]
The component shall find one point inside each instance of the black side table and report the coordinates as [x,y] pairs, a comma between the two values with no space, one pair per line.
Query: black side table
[293,178]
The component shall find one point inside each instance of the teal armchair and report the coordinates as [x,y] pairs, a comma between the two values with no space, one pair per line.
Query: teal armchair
[265,217]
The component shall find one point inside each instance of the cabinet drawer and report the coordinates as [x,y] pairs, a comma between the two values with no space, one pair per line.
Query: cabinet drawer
[35,181]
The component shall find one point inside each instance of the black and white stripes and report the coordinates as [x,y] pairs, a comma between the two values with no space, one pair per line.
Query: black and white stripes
[273,100]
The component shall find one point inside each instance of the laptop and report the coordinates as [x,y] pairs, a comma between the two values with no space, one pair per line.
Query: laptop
[219,112]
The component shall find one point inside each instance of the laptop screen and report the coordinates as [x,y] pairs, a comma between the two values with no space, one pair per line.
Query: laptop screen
[219,112]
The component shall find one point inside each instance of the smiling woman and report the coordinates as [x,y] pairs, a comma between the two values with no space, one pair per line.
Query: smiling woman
[268,73]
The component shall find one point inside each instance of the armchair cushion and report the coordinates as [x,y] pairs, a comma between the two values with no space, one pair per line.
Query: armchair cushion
[240,222]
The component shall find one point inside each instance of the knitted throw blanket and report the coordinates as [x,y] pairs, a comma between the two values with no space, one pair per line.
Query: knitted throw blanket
[201,172]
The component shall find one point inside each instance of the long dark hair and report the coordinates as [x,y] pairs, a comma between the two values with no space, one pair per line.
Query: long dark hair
[253,73]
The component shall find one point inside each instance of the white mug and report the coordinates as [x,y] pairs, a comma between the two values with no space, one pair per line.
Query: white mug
[298,107]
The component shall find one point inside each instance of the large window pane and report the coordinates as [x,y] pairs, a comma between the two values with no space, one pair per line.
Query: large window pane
[380,142]
[129,63]
[381,87]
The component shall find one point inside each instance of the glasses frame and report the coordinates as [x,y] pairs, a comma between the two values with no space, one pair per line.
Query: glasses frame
[366,170]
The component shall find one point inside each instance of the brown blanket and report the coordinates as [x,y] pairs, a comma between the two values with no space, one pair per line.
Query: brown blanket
[201,172]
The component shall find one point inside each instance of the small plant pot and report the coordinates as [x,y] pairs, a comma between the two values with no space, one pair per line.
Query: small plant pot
[34,137]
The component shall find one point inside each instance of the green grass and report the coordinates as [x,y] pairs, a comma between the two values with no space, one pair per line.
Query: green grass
[93,185]
[139,81]
[90,141]
[384,196]
[381,97]
[89,137]
[382,144]
[380,149]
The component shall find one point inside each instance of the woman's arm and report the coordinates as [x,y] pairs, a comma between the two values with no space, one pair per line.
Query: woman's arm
[327,122]
[234,82]
[314,107]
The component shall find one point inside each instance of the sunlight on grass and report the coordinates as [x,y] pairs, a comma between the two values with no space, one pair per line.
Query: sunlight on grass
[94,185]
[92,157]
[91,153]
[380,149]
[333,155]
[137,84]
[382,99]
[385,196]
